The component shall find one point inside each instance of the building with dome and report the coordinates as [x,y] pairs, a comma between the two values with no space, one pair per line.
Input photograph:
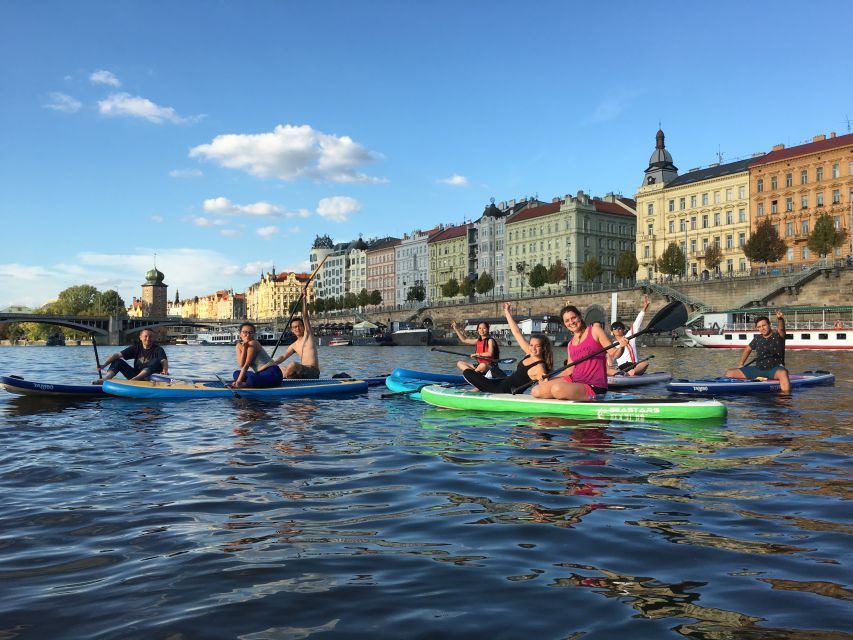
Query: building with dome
[154,294]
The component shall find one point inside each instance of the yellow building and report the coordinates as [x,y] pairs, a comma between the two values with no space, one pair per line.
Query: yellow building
[695,210]
[794,186]
[448,258]
[273,297]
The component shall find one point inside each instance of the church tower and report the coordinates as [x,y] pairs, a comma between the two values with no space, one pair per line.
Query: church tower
[154,294]
[660,170]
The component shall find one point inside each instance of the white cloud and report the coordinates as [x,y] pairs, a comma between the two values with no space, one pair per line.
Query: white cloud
[337,208]
[291,152]
[266,232]
[62,102]
[250,268]
[201,221]
[224,207]
[104,77]
[158,219]
[185,173]
[455,181]
[124,104]
[229,233]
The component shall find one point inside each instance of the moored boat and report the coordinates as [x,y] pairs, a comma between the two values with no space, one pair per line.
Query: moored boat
[805,327]
[612,407]
[339,342]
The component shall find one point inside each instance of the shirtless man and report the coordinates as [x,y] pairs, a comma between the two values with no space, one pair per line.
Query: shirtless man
[305,346]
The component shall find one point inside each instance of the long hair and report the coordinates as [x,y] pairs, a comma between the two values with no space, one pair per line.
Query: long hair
[547,350]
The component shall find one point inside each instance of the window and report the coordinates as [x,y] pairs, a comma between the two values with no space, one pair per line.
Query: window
[789,204]
[760,209]
[741,239]
[774,208]
[804,176]
[682,203]
[818,174]
[728,195]
[704,245]
[672,226]
[705,195]
[651,229]
[717,219]
[804,226]
[729,244]
[692,202]
[836,222]
[819,199]
[705,221]
[759,186]
[789,228]
[651,209]
[789,180]
[836,196]
[774,183]
[789,254]
[646,253]
[741,215]
[804,202]
[693,223]
[742,266]
[682,225]
[805,253]
[672,205]
[716,197]
[836,171]
[850,168]
[729,217]
[717,240]
[741,193]
[692,246]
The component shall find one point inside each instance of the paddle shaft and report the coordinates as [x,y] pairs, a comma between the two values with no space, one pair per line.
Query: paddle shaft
[97,359]
[466,355]
[296,304]
[627,366]
[227,386]
[674,312]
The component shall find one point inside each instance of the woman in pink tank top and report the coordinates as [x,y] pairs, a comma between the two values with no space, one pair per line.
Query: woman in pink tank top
[587,379]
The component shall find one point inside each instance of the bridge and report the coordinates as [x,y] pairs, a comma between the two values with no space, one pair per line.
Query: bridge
[112,329]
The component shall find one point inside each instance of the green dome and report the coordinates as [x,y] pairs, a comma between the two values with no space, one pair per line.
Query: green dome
[154,276]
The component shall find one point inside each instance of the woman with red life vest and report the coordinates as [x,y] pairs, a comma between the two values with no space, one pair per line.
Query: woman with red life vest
[586,380]
[487,353]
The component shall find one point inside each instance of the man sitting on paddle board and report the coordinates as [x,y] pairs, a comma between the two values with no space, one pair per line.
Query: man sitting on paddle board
[148,357]
[769,347]
[305,345]
[621,358]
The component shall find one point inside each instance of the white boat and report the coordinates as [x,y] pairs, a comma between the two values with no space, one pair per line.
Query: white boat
[805,327]
[214,338]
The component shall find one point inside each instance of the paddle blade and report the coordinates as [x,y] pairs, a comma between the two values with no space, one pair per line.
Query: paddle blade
[670,317]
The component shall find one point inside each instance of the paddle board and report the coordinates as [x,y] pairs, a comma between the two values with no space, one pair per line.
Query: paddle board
[716,386]
[154,389]
[17,384]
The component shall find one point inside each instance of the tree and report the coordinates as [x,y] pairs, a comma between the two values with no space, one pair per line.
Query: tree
[417,293]
[825,237]
[627,265]
[350,300]
[538,277]
[713,256]
[591,269]
[109,303]
[375,298]
[557,273]
[77,300]
[765,245]
[450,289]
[485,283]
[673,261]
[521,269]
[363,298]
[466,287]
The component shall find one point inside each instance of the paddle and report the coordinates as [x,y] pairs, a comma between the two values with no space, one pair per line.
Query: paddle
[97,359]
[625,367]
[411,391]
[466,355]
[228,386]
[668,318]
[298,300]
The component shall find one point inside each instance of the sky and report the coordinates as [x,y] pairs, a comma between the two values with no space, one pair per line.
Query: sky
[223,136]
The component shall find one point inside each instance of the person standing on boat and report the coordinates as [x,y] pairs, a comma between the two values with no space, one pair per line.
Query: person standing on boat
[486,353]
[534,366]
[586,380]
[148,357]
[257,369]
[621,358]
[769,347]
[305,345]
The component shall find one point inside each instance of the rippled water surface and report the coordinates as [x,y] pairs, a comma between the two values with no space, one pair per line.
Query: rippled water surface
[384,518]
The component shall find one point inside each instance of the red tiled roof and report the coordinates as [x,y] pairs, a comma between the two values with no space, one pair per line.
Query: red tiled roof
[612,207]
[804,149]
[449,233]
[535,212]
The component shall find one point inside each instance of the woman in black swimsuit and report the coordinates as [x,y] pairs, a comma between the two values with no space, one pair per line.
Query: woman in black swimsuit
[534,366]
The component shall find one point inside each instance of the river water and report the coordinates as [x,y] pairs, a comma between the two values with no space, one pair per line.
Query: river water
[384,518]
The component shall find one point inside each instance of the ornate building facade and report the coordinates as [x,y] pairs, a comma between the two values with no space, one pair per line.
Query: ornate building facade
[274,295]
[448,259]
[381,265]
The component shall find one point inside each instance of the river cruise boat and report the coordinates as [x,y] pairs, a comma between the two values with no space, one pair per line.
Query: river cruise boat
[805,327]
[221,338]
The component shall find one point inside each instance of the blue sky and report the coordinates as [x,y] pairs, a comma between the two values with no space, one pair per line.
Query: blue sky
[224,136]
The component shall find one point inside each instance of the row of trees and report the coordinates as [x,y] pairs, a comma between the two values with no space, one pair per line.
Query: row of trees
[349,300]
[79,300]
[764,245]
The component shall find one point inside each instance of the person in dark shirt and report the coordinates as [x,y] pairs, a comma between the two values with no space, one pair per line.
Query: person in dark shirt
[769,347]
[147,357]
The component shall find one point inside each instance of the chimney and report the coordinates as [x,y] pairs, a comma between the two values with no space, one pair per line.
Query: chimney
[831,135]
[819,138]
[778,147]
